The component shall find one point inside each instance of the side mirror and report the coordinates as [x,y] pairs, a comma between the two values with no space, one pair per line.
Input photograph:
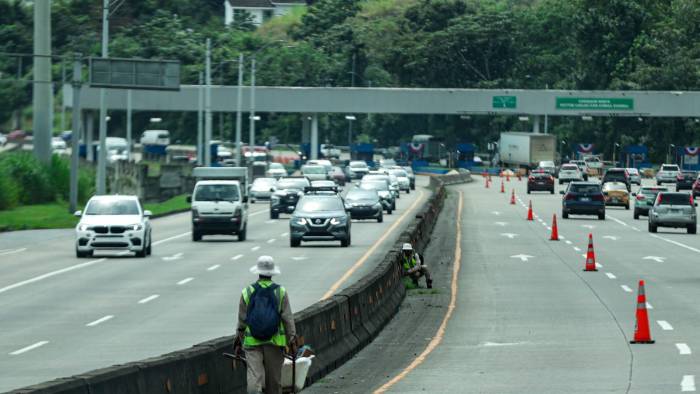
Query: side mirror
[561,192]
[189,199]
[245,199]
[272,190]
[78,213]
[147,213]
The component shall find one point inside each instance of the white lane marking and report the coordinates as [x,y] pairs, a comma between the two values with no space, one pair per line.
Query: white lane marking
[73,268]
[162,241]
[683,349]
[649,306]
[236,257]
[576,248]
[522,257]
[611,237]
[99,321]
[583,255]
[28,348]
[7,252]
[254,248]
[176,256]
[299,258]
[610,275]
[185,281]
[502,224]
[688,383]
[588,226]
[561,237]
[509,235]
[284,234]
[626,288]
[568,242]
[676,243]
[666,326]
[148,299]
[271,221]
[658,259]
[598,265]
[271,240]
[548,228]
[495,213]
[619,221]
[214,267]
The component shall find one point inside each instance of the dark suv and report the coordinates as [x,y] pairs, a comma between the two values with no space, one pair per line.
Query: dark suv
[685,180]
[618,175]
[320,217]
[583,198]
[540,181]
[286,194]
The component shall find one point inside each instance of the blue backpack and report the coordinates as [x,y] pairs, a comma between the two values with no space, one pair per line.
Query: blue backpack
[263,318]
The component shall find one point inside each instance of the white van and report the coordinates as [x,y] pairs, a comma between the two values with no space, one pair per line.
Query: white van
[155,137]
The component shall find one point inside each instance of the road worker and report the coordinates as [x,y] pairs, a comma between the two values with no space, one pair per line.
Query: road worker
[265,328]
[413,265]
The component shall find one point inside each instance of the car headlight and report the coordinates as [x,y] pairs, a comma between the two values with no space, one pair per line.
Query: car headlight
[300,221]
[378,205]
[339,220]
[83,227]
[135,227]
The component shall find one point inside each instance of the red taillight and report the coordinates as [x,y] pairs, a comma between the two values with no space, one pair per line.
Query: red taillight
[679,177]
[691,200]
[640,197]
[658,199]
[551,178]
[531,178]
[569,197]
[598,197]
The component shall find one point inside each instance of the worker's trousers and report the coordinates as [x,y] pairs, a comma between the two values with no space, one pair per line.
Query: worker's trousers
[264,369]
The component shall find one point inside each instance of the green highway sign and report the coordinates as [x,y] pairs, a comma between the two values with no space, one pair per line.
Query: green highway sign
[592,103]
[116,73]
[504,102]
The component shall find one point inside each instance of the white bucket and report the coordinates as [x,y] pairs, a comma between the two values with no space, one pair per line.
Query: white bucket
[302,369]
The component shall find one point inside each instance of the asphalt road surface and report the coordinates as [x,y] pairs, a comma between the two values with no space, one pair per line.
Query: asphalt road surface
[527,319]
[61,316]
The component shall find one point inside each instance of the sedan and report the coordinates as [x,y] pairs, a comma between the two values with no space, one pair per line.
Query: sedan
[635,176]
[685,180]
[262,189]
[364,204]
[673,210]
[276,170]
[540,181]
[320,218]
[338,175]
[113,223]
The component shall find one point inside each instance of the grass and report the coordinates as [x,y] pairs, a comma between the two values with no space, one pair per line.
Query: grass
[56,215]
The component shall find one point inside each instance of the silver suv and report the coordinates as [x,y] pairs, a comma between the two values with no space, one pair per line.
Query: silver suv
[667,174]
[673,210]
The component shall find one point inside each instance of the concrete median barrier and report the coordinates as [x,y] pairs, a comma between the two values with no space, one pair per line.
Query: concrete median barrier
[336,329]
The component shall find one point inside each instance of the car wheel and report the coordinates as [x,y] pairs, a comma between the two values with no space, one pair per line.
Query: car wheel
[274,215]
[141,253]
[528,191]
[551,191]
[413,187]
[388,211]
[636,214]
[196,236]
[564,214]
[81,255]
[243,234]
[692,229]
[627,207]
[601,216]
[252,201]
[294,242]
[652,228]
[408,191]
[345,242]
[380,219]
[149,248]
[393,206]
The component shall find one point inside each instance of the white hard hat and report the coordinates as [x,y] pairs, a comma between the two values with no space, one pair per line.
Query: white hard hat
[407,246]
[265,266]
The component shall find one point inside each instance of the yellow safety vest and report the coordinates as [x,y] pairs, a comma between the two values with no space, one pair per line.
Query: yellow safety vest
[279,339]
[409,263]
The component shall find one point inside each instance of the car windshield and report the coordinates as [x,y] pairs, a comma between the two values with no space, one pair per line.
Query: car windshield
[276,166]
[261,182]
[360,195]
[315,204]
[569,168]
[112,207]
[674,199]
[615,186]
[399,173]
[585,189]
[615,175]
[313,170]
[298,183]
[358,165]
[633,171]
[323,184]
[216,193]
[379,186]
[669,168]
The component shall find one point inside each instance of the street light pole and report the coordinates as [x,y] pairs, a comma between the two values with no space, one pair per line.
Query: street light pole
[252,105]
[207,108]
[239,113]
[102,153]
[75,136]
[200,121]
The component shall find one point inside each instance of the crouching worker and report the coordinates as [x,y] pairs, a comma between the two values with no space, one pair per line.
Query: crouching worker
[413,266]
[265,328]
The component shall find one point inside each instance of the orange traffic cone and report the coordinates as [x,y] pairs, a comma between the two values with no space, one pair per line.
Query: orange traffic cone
[486,183]
[555,230]
[529,212]
[641,328]
[503,187]
[590,255]
[512,197]
[507,176]
[520,178]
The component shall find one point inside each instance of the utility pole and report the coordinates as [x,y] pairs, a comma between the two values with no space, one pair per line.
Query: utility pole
[75,135]
[252,107]
[129,138]
[41,88]
[63,103]
[207,108]
[200,120]
[102,151]
[352,85]
[239,112]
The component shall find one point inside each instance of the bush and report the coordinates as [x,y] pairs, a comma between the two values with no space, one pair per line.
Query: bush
[9,196]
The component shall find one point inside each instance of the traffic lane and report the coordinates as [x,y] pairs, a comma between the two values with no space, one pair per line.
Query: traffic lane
[524,322]
[45,251]
[667,264]
[199,309]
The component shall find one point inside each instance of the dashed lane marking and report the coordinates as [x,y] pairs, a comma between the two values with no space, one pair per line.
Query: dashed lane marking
[148,299]
[214,267]
[649,306]
[683,349]
[236,257]
[610,275]
[185,281]
[626,288]
[162,241]
[99,321]
[29,348]
[271,240]
[255,248]
[568,242]
[8,252]
[666,326]
[284,234]
[576,248]
[688,383]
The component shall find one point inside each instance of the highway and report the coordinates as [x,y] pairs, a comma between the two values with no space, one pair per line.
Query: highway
[61,316]
[527,319]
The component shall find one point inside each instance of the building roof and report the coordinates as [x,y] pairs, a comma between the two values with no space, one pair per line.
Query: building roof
[290,2]
[251,3]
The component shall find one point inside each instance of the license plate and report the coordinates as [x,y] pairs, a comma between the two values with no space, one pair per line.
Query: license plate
[615,200]
[292,207]
[675,211]
[585,199]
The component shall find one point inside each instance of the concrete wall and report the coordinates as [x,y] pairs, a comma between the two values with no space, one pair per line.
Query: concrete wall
[152,182]
[336,328]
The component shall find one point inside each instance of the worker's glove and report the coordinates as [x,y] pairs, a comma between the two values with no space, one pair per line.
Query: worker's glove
[238,344]
[293,346]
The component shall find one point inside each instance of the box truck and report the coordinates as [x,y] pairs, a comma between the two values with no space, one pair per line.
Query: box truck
[523,149]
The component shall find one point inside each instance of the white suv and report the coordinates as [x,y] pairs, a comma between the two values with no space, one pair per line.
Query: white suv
[667,174]
[113,223]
